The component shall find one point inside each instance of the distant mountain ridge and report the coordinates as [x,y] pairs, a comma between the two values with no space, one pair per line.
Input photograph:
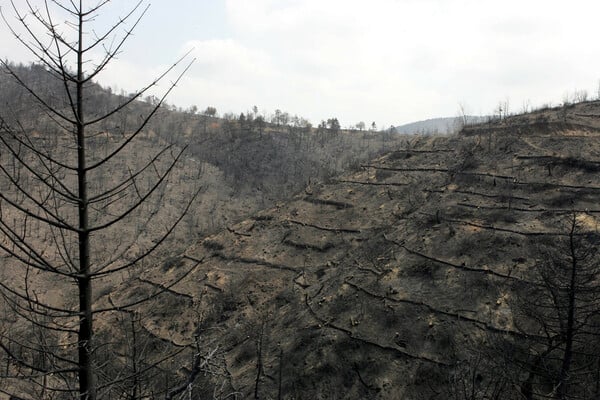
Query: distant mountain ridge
[445,125]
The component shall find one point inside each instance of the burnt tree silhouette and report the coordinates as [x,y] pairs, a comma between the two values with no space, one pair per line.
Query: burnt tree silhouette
[559,317]
[61,201]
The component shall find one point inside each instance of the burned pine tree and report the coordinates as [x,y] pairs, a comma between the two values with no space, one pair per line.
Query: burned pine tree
[67,220]
[557,354]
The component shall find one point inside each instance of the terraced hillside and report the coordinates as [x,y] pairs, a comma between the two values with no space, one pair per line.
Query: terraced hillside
[425,274]
[405,279]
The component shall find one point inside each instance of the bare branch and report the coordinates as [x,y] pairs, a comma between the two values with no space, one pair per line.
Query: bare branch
[165,288]
[135,97]
[122,186]
[112,53]
[142,199]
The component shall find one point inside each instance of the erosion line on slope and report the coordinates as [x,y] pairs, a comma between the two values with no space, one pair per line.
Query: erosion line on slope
[494,228]
[351,335]
[238,233]
[322,228]
[340,205]
[462,266]
[547,210]
[430,308]
[375,183]
[490,196]
[256,261]
[165,289]
[441,170]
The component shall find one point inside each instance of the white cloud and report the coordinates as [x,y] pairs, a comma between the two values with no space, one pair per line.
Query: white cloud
[229,61]
[391,61]
[11,27]
[226,74]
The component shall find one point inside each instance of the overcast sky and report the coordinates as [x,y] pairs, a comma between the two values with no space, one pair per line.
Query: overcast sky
[389,61]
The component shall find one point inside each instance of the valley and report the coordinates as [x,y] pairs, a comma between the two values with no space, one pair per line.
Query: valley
[316,263]
[159,251]
[404,279]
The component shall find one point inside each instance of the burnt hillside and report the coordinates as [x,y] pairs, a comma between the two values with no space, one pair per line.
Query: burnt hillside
[244,162]
[415,277]
[461,267]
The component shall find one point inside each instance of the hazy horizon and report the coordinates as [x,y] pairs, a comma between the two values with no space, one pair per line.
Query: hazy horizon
[392,62]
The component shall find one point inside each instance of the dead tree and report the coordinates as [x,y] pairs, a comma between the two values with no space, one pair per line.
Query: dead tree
[560,318]
[56,219]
